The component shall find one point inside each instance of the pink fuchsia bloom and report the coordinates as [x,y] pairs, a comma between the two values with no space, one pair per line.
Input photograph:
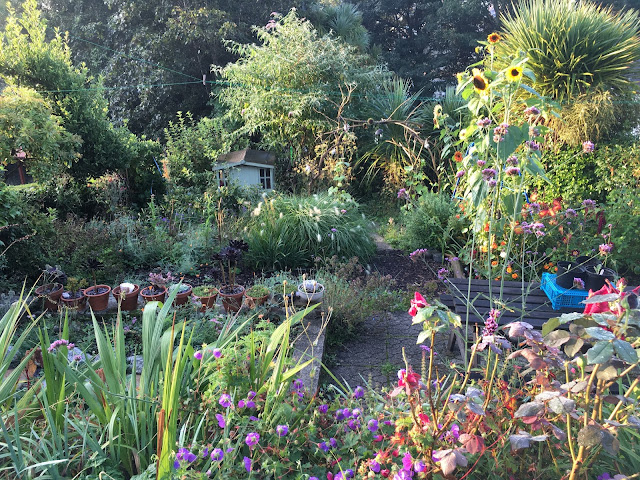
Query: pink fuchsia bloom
[417,302]
[252,439]
[588,147]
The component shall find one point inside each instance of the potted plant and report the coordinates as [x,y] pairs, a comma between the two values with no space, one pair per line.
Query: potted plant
[158,288]
[206,295]
[597,275]
[311,291]
[228,258]
[73,296]
[126,294]
[52,289]
[98,295]
[257,295]
[184,292]
[567,272]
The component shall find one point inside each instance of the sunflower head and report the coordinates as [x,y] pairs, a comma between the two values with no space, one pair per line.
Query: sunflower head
[494,37]
[480,82]
[437,113]
[514,74]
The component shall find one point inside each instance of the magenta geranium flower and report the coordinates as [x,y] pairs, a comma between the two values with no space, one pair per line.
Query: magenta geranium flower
[417,302]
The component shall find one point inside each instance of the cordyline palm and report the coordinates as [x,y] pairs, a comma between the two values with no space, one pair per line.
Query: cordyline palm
[572,46]
[402,116]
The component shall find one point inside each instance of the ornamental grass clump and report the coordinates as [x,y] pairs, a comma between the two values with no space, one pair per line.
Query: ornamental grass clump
[291,231]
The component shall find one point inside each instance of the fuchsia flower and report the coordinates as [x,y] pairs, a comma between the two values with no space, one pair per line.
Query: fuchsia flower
[417,302]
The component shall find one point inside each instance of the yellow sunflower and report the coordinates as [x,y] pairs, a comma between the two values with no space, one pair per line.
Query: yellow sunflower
[514,74]
[494,37]
[437,113]
[480,82]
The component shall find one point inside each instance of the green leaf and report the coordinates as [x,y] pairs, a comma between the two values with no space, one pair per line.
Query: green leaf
[609,297]
[599,333]
[601,352]
[569,317]
[557,338]
[550,325]
[423,336]
[573,347]
[625,351]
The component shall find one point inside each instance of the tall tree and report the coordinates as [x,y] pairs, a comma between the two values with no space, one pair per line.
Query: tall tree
[428,41]
[153,55]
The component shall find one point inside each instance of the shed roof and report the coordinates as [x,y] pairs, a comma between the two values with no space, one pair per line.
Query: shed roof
[245,157]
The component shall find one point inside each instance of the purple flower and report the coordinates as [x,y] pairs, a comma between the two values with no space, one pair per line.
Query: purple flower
[251,404]
[570,213]
[323,408]
[252,439]
[588,203]
[588,147]
[352,424]
[491,323]
[372,425]
[323,446]
[341,211]
[374,466]
[460,174]
[251,395]
[225,400]
[356,413]
[282,430]
[217,353]
[532,111]
[483,122]
[533,145]
[442,273]
[333,442]
[358,392]
[247,464]
[60,343]
[489,173]
[492,183]
[512,171]
[605,248]
[221,421]
[419,466]
[217,455]
[242,404]
[176,464]
[578,283]
[402,194]
[334,230]
[198,355]
[407,461]
[481,163]
[604,476]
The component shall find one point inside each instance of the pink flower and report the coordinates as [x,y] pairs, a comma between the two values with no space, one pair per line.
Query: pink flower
[417,302]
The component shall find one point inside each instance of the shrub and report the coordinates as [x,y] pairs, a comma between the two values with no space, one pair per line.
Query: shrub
[290,231]
[432,223]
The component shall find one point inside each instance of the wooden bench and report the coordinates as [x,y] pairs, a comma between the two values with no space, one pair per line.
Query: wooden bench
[520,302]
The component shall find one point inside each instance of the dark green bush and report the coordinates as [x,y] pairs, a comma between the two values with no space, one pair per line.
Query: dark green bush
[431,223]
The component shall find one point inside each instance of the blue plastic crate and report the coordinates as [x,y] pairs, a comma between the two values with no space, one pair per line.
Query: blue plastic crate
[562,297]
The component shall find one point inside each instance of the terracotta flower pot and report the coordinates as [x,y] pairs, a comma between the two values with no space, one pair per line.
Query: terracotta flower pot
[183,297]
[207,301]
[51,293]
[253,302]
[130,300]
[232,297]
[150,296]
[76,302]
[98,296]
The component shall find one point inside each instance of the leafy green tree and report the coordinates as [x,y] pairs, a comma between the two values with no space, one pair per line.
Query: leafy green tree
[29,59]
[343,20]
[153,55]
[27,123]
[428,41]
[291,89]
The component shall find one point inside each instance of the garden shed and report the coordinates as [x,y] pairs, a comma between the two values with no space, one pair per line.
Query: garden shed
[246,167]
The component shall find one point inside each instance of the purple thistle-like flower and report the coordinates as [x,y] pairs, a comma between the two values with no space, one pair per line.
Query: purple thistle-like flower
[533,145]
[402,194]
[282,430]
[252,439]
[578,283]
[481,163]
[460,173]
[588,147]
[492,183]
[60,343]
[570,213]
[532,111]
[489,173]
[512,171]
[512,160]
[483,122]
[225,400]
[588,203]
